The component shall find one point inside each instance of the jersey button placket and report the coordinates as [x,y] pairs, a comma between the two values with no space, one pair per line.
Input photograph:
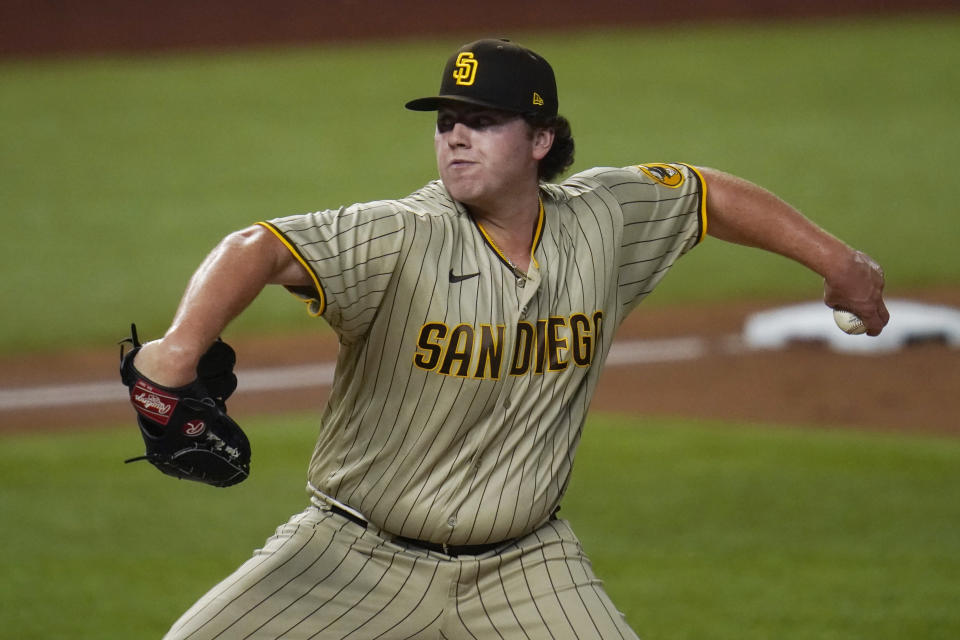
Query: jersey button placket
[526,292]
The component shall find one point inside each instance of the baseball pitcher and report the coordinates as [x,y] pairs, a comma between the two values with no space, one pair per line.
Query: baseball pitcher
[474,317]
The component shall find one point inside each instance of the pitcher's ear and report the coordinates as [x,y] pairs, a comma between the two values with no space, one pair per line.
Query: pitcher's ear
[542,142]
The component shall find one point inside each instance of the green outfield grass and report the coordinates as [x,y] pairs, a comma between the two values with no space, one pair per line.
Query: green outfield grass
[119,174]
[700,530]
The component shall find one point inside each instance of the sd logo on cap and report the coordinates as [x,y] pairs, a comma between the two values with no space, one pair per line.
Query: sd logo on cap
[497,74]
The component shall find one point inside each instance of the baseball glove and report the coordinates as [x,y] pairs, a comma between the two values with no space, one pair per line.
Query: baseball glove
[187,431]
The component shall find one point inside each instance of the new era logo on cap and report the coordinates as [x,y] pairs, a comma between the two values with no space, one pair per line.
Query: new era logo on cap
[497,74]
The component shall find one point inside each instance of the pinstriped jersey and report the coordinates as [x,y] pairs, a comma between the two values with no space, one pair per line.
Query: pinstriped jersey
[462,384]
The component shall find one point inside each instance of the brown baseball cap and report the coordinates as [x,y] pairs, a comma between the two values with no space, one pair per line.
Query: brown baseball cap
[498,74]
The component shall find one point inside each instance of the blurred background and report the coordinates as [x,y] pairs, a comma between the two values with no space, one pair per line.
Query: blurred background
[135,135]
[98,26]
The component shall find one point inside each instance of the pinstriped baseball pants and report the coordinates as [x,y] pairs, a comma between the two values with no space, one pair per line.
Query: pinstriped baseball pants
[323,576]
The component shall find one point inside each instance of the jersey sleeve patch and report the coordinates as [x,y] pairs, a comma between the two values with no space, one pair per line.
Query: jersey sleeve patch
[672,176]
[665,174]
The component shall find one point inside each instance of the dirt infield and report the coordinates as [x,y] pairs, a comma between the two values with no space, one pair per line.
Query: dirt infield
[805,385]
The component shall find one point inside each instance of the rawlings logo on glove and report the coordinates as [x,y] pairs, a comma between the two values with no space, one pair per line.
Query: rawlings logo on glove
[186,430]
[152,403]
[194,428]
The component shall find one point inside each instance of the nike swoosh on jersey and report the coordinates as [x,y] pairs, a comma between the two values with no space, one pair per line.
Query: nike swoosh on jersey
[460,278]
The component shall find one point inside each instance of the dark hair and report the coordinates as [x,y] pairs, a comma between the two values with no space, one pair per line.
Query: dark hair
[560,156]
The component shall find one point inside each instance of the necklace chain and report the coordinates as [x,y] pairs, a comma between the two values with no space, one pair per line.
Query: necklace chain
[516,270]
[518,273]
[521,277]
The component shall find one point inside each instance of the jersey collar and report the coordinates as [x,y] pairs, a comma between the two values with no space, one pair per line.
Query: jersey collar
[537,236]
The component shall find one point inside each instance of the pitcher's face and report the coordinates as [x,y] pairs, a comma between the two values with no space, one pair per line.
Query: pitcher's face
[484,155]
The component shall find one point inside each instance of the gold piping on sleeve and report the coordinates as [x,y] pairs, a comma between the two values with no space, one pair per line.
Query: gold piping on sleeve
[703,201]
[321,299]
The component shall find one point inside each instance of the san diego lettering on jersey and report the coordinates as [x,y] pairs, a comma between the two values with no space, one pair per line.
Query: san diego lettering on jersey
[548,345]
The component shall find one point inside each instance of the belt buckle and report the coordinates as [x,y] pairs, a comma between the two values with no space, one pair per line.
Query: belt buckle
[446,548]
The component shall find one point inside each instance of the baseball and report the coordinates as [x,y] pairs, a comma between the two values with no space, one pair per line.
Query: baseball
[848,322]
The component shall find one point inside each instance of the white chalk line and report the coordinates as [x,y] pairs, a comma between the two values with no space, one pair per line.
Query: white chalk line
[623,353]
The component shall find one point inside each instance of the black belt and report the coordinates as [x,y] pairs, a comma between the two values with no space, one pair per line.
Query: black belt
[439,547]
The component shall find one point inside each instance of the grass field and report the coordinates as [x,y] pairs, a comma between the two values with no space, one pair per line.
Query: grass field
[700,530]
[119,174]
